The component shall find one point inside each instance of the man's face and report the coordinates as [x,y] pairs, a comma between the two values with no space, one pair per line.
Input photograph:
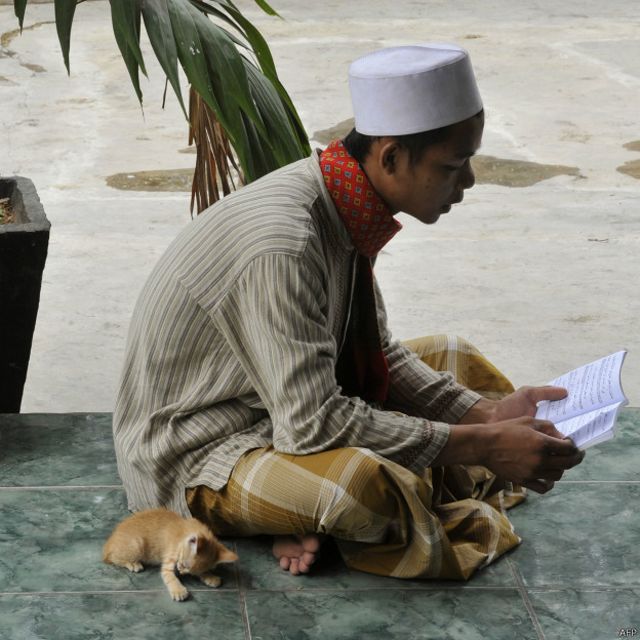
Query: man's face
[429,188]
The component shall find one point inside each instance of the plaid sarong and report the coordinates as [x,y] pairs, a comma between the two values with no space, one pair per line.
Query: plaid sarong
[384,518]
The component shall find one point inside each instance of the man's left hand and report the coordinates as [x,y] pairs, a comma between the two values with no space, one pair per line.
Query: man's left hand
[523,402]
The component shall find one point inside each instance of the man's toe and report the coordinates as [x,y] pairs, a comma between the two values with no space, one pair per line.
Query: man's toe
[311,543]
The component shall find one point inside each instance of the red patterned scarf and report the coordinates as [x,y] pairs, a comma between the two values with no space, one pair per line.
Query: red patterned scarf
[362,369]
[367,217]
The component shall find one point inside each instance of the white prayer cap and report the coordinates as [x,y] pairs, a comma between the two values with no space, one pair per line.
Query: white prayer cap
[410,89]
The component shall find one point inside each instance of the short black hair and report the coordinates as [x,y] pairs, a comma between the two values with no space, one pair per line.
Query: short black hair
[359,145]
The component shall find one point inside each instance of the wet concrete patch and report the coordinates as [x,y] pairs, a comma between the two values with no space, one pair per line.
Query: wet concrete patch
[631,168]
[572,133]
[36,68]
[7,37]
[517,173]
[581,319]
[161,180]
[634,145]
[75,101]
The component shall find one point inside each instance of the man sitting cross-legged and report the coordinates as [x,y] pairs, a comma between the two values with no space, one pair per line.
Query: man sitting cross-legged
[262,390]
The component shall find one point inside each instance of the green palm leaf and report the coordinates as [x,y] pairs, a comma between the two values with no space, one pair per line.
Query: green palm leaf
[125,15]
[255,39]
[266,8]
[65,10]
[189,49]
[259,46]
[286,148]
[19,7]
[158,25]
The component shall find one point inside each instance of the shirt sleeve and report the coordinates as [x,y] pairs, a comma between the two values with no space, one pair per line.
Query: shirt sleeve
[274,322]
[416,388]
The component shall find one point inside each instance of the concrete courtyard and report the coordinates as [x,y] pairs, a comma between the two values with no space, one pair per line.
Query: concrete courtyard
[540,273]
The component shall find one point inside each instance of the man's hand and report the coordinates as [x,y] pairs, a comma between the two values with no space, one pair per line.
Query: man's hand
[529,452]
[504,436]
[523,402]
[517,404]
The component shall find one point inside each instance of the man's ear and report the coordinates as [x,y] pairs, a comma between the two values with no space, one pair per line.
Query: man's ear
[388,156]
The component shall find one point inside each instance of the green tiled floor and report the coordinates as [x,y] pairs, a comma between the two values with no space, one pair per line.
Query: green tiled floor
[576,575]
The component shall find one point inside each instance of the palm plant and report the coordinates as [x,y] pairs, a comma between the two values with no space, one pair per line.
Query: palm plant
[241,117]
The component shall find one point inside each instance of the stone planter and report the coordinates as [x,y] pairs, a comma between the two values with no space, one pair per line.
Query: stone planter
[23,251]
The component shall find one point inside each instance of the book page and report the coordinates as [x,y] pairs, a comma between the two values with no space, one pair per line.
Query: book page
[590,387]
[591,427]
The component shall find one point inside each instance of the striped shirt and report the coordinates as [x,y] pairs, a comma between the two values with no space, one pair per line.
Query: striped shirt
[233,345]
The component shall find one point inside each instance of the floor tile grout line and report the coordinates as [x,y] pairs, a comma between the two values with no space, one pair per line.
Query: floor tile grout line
[70,487]
[107,592]
[437,588]
[525,598]
[590,589]
[230,590]
[4,594]
[598,482]
[244,613]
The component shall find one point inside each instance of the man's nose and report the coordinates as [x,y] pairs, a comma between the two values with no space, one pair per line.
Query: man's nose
[467,176]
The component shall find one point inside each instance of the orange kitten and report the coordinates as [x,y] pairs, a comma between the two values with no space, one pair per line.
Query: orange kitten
[159,536]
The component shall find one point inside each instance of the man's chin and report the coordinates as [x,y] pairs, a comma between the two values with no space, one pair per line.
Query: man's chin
[430,217]
[433,216]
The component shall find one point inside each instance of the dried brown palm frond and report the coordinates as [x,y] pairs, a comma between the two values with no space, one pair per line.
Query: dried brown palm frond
[216,164]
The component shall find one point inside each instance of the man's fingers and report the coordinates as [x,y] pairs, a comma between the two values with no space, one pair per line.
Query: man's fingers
[539,486]
[548,428]
[562,462]
[547,393]
[560,446]
[560,453]
[550,473]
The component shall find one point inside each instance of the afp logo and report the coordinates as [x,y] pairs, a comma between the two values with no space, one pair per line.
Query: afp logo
[630,632]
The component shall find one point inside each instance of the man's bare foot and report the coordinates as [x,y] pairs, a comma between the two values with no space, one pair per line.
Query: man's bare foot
[297,553]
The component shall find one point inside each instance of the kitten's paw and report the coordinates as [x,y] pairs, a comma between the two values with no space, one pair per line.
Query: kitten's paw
[135,567]
[179,593]
[211,581]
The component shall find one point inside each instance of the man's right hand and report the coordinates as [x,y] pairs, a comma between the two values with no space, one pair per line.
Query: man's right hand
[529,452]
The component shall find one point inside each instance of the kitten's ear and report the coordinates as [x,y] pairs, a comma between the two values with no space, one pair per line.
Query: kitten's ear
[193,543]
[226,555]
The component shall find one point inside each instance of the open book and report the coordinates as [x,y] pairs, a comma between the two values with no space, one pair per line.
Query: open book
[588,414]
